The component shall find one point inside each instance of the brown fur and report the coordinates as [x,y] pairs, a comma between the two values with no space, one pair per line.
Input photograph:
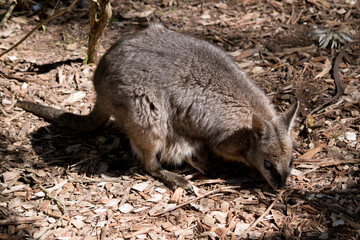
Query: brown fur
[175,97]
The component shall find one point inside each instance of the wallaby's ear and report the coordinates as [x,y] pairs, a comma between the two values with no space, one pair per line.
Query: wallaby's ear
[258,124]
[289,116]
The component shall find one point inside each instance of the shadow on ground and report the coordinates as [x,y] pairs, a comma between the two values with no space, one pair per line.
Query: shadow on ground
[107,151]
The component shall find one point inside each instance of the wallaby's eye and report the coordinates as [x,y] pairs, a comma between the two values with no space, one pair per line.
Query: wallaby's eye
[291,161]
[268,165]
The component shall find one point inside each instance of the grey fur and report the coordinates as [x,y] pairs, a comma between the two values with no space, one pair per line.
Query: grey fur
[176,96]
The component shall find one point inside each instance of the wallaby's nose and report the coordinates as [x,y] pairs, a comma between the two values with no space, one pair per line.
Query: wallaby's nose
[281,186]
[282,183]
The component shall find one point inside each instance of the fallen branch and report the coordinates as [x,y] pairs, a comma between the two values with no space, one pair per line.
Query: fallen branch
[38,26]
[339,88]
[8,13]
[195,199]
[261,216]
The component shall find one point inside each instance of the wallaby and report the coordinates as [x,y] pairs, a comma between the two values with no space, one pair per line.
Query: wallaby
[176,97]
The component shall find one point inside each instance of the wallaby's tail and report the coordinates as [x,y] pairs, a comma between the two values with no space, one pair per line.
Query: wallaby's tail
[94,120]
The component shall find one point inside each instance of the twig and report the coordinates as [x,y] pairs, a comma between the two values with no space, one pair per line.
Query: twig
[8,13]
[298,17]
[280,65]
[57,216]
[349,221]
[38,26]
[21,79]
[195,199]
[58,202]
[339,162]
[261,216]
[13,117]
[226,181]
[62,209]
[294,50]
[5,113]
[97,180]
[49,228]
[81,162]
[231,225]
[17,221]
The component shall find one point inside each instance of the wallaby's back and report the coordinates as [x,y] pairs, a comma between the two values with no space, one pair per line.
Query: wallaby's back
[195,84]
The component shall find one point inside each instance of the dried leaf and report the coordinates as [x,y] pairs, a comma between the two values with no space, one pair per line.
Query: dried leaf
[310,121]
[247,53]
[327,68]
[309,154]
[310,209]
[319,59]
[74,97]
[72,46]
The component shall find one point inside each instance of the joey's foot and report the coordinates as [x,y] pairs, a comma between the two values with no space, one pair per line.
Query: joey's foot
[198,165]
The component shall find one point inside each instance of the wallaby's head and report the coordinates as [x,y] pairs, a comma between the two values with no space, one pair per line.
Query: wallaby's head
[272,151]
[267,146]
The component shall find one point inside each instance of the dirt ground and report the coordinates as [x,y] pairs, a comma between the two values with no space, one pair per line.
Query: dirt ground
[58,183]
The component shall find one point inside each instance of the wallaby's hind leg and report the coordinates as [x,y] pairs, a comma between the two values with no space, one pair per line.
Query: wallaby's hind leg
[146,150]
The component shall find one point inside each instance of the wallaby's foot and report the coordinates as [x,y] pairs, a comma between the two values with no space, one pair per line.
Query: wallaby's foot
[172,180]
[146,147]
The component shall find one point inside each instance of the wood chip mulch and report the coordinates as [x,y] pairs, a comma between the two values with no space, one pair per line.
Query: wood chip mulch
[56,183]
